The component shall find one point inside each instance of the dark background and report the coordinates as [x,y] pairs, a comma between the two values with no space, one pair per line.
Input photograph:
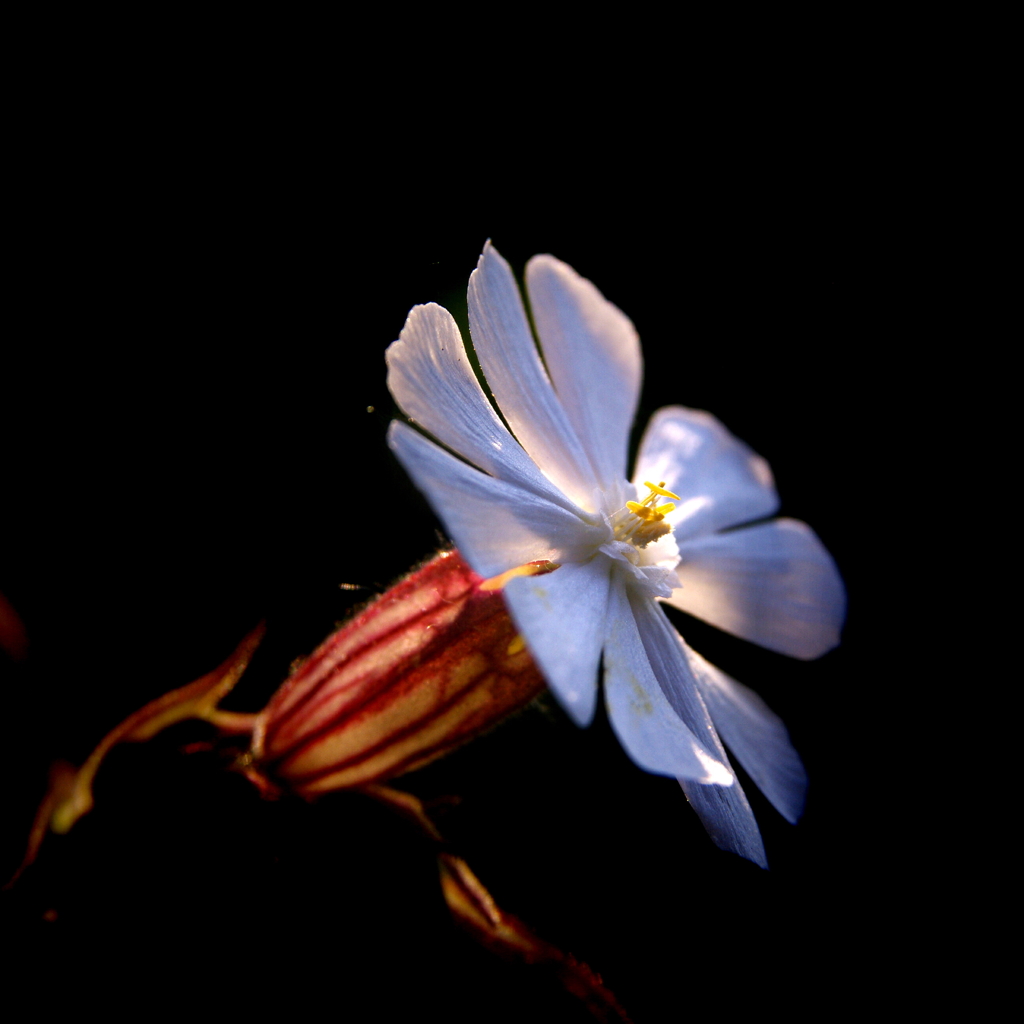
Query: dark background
[189,449]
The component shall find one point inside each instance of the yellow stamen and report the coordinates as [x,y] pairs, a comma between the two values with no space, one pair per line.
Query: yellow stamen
[530,569]
[646,521]
[659,489]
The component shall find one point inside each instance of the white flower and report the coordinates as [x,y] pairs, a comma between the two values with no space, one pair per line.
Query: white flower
[547,480]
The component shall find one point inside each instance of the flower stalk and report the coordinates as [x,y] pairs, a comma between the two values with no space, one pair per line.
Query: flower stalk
[69,794]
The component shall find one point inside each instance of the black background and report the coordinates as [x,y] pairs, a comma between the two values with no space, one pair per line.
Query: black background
[189,448]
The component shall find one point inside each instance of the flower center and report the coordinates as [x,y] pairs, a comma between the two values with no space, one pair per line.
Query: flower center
[641,522]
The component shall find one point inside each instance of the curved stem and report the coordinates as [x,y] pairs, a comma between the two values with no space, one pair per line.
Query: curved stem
[69,794]
[475,911]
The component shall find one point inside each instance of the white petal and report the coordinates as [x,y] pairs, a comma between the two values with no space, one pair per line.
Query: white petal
[773,584]
[431,379]
[661,642]
[720,480]
[726,814]
[647,726]
[562,618]
[755,735]
[723,810]
[496,525]
[517,379]
[592,353]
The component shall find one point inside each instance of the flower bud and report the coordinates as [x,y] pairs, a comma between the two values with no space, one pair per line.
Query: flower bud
[429,665]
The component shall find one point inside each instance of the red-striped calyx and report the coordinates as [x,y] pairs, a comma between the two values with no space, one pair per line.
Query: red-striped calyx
[429,665]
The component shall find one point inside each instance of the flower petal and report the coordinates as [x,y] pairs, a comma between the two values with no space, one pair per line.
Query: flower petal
[661,642]
[496,525]
[592,352]
[431,379]
[518,381]
[773,584]
[651,732]
[720,480]
[562,618]
[755,735]
[724,811]
[726,815]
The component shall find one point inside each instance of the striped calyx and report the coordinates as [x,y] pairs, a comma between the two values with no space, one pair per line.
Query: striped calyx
[429,665]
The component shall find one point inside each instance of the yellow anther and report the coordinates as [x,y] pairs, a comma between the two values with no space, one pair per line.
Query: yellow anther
[663,510]
[642,511]
[660,489]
